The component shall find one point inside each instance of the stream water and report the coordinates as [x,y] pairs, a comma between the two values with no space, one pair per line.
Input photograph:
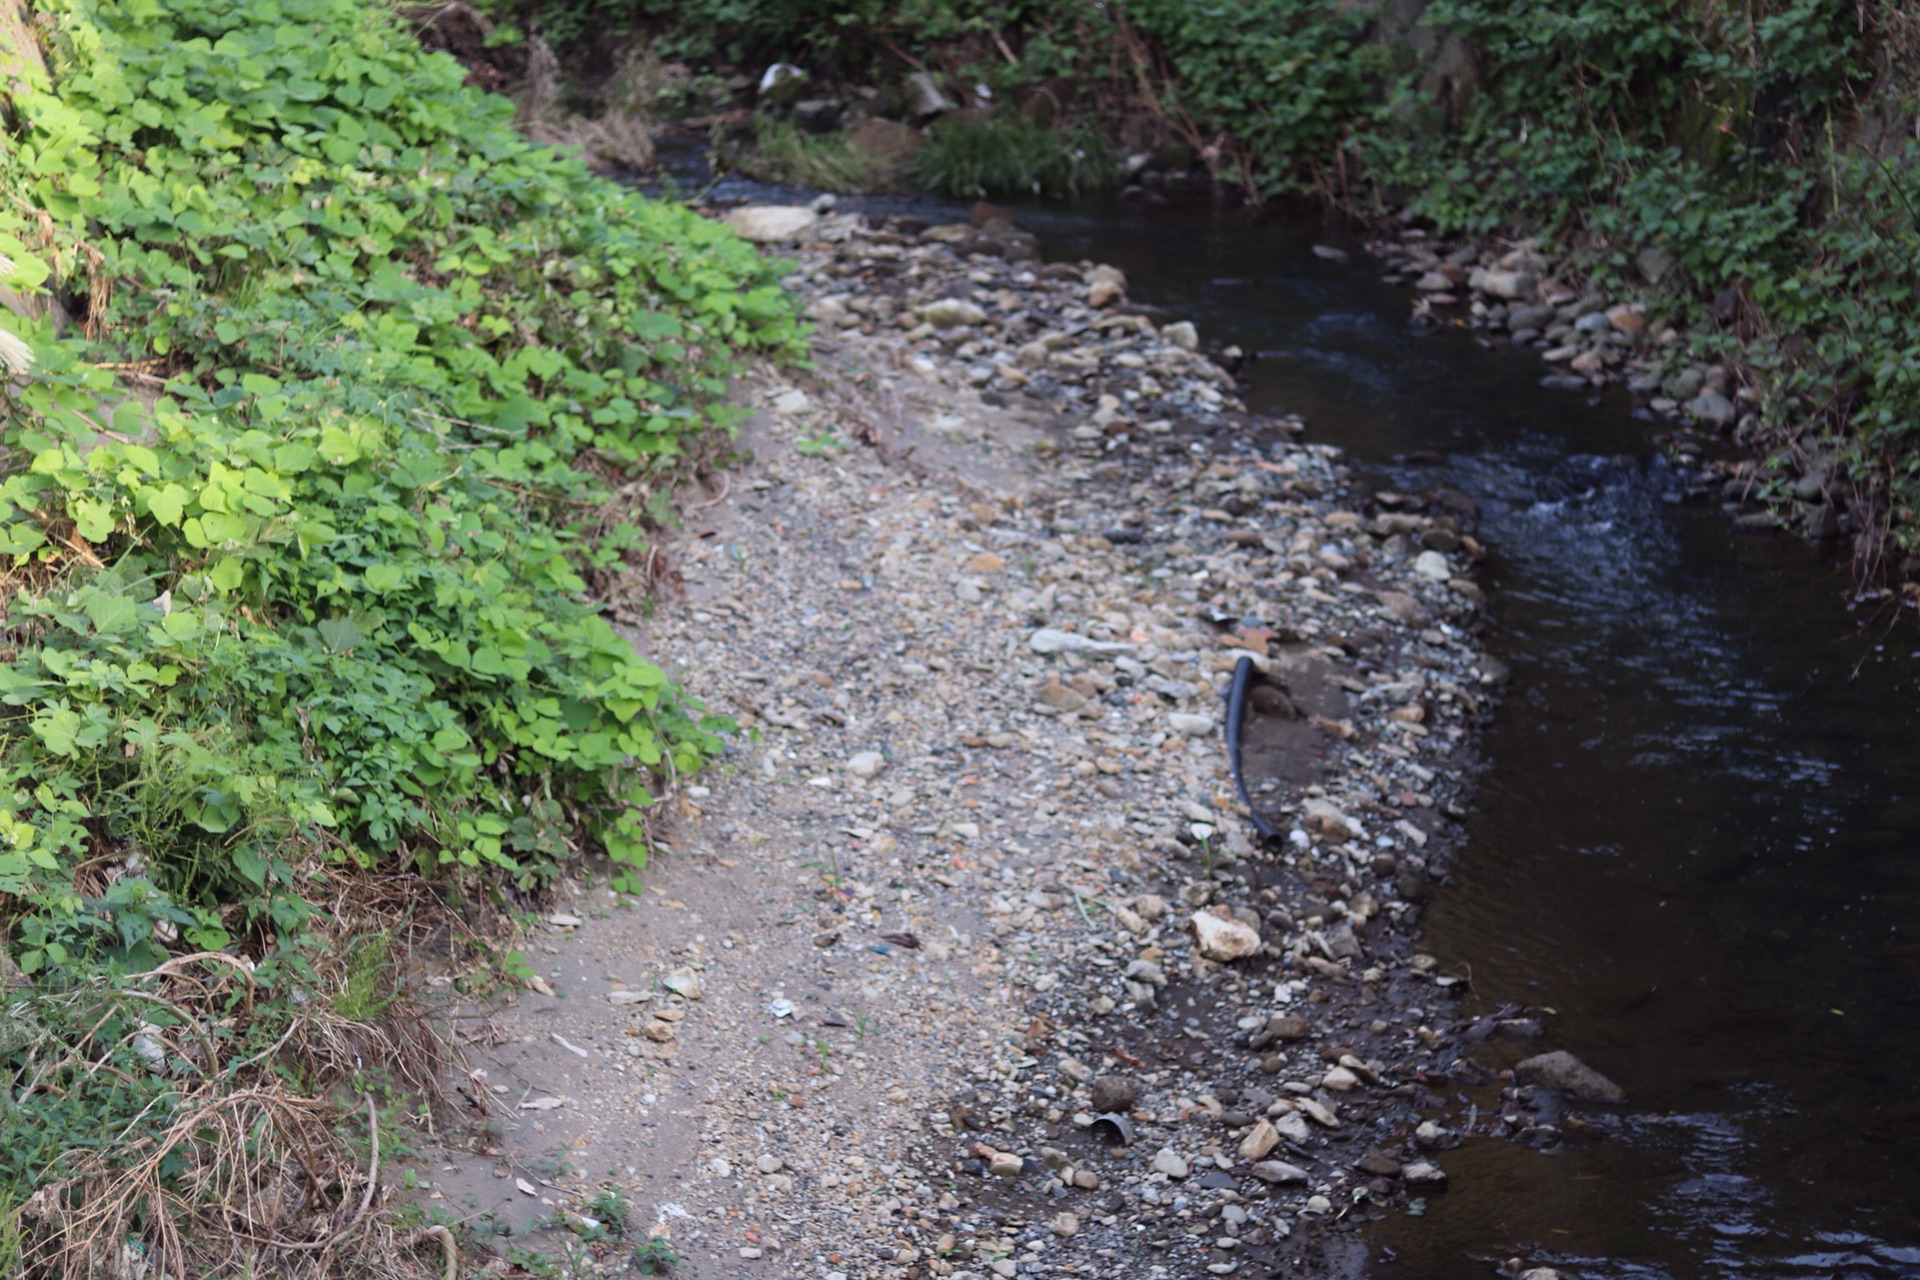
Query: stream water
[1697,834]
[1697,837]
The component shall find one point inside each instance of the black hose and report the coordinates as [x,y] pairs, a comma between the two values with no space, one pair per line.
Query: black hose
[1236,722]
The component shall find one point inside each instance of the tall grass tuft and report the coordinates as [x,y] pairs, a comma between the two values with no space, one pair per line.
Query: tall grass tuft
[985,155]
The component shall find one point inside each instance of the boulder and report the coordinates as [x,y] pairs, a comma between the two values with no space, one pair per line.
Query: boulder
[1569,1077]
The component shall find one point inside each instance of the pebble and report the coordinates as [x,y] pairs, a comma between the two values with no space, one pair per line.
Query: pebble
[1167,1162]
[1025,842]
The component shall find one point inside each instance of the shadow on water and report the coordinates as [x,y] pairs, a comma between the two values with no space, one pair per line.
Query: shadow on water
[1698,835]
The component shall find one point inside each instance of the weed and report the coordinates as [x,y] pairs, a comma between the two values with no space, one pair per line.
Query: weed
[983,154]
[655,1257]
[782,152]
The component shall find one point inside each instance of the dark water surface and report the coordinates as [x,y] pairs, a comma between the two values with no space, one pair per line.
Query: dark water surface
[1698,834]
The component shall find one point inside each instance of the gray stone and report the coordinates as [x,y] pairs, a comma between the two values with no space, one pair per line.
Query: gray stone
[1510,284]
[1534,318]
[866,764]
[1165,1161]
[1115,1093]
[1049,640]
[1567,1075]
[1424,1175]
[1280,1172]
[1713,408]
[923,97]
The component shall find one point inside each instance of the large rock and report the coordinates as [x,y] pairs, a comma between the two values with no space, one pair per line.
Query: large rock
[1510,284]
[772,223]
[1568,1076]
[1712,407]
[923,97]
[1222,939]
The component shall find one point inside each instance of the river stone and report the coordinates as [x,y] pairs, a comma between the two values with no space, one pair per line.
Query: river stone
[1263,1139]
[1224,939]
[1105,286]
[1005,1165]
[1192,724]
[950,313]
[771,223]
[1533,318]
[1510,284]
[1379,1164]
[1115,1093]
[1279,1171]
[1293,1127]
[866,764]
[1424,1175]
[1049,640]
[1567,1075]
[1431,564]
[1165,1161]
[683,982]
[1183,335]
[1713,408]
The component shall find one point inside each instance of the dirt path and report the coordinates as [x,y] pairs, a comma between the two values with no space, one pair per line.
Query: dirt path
[931,916]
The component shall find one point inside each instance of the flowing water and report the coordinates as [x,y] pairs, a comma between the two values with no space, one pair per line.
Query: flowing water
[1697,835]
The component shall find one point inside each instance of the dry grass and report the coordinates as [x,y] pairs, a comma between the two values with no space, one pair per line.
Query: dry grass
[258,1149]
[621,135]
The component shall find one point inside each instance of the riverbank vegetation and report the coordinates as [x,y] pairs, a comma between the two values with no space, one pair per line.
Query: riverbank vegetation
[1751,170]
[328,401]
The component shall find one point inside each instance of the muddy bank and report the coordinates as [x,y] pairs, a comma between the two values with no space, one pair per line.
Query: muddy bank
[970,966]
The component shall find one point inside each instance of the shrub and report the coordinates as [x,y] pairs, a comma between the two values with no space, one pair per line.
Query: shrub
[307,594]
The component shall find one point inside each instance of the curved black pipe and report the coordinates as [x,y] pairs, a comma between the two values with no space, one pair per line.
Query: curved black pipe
[1236,721]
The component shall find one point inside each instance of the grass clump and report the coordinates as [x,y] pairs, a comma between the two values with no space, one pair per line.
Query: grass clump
[783,152]
[979,154]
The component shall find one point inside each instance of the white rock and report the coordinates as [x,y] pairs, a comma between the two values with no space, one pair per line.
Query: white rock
[771,223]
[1183,335]
[629,997]
[1105,285]
[1165,1161]
[792,401]
[1422,1173]
[866,764]
[1293,1127]
[1064,1224]
[1190,723]
[1222,939]
[1431,564]
[1049,640]
[683,982]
